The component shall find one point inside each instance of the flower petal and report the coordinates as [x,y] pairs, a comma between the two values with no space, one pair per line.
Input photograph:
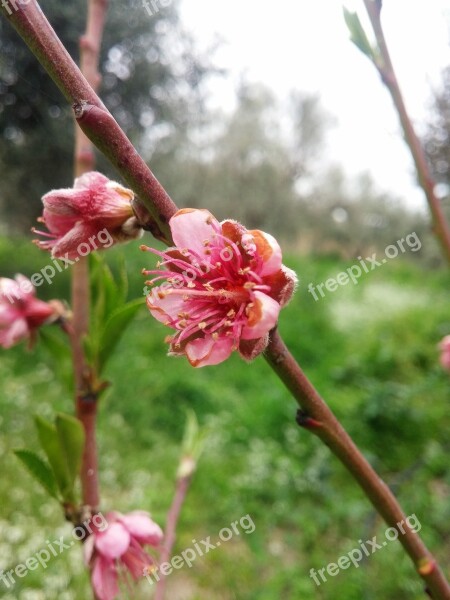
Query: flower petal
[104,579]
[70,242]
[17,331]
[62,204]
[282,284]
[191,228]
[37,312]
[90,180]
[164,305]
[268,249]
[207,351]
[262,316]
[113,542]
[444,344]
[88,549]
[136,560]
[250,349]
[445,360]
[142,527]
[12,290]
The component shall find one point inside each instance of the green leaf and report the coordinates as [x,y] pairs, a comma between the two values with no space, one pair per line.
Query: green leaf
[106,293]
[39,470]
[49,440]
[122,283]
[115,327]
[71,439]
[194,441]
[357,34]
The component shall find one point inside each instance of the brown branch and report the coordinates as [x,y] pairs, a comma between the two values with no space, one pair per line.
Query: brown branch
[318,418]
[85,394]
[384,65]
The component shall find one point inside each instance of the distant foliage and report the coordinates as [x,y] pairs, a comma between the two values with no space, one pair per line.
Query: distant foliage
[437,139]
[151,82]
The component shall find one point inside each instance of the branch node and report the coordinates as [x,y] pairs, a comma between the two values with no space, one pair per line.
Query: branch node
[304,420]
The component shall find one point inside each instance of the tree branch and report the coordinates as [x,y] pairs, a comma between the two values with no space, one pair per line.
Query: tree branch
[386,70]
[86,397]
[171,527]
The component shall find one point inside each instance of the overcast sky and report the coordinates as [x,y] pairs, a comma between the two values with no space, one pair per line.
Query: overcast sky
[303,45]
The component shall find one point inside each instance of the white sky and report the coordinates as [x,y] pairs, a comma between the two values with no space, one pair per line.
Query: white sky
[304,45]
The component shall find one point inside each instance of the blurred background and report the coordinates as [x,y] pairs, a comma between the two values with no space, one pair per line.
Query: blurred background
[265,113]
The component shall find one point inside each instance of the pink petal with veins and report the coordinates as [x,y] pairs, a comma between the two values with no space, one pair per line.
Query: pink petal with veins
[191,228]
[262,317]
[142,527]
[104,579]
[206,351]
[113,542]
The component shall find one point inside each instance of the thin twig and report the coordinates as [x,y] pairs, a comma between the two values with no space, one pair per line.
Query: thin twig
[171,527]
[85,394]
[384,65]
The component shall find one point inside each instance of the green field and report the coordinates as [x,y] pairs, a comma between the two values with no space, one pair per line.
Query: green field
[371,351]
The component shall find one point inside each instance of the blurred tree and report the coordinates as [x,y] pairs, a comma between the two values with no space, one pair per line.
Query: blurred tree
[246,164]
[437,135]
[353,218]
[437,139]
[152,84]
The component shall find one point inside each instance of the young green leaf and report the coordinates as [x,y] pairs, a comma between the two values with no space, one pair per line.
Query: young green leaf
[357,34]
[49,440]
[39,470]
[193,444]
[115,327]
[71,439]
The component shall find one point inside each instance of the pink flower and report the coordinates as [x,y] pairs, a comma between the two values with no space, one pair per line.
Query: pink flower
[116,549]
[21,313]
[224,288]
[444,347]
[95,213]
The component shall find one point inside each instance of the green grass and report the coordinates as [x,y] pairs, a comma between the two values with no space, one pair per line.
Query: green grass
[371,351]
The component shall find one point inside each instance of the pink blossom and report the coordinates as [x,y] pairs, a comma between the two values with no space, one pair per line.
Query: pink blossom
[224,287]
[444,347]
[118,549]
[21,313]
[75,216]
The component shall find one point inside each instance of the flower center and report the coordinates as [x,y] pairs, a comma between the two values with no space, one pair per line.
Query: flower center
[217,294]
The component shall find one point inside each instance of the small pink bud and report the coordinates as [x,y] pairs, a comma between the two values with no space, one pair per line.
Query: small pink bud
[96,213]
[21,313]
[444,347]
